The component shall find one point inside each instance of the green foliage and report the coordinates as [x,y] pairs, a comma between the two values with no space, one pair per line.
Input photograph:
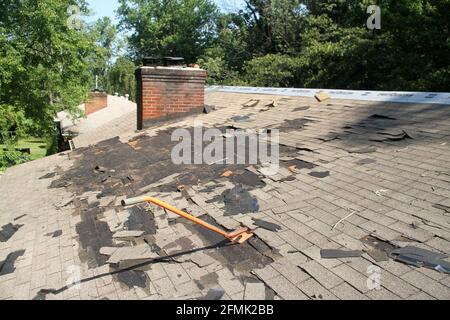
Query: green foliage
[10,156]
[233,42]
[216,68]
[14,123]
[46,66]
[338,58]
[43,61]
[219,71]
[275,26]
[52,145]
[168,27]
[272,70]
[406,54]
[105,36]
[326,44]
[121,78]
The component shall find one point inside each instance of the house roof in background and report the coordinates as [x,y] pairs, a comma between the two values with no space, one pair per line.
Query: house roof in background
[119,116]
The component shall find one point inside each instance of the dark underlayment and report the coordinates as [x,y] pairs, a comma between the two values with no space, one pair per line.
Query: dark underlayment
[114,169]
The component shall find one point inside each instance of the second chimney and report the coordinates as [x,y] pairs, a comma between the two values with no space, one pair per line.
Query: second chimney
[97,101]
[168,92]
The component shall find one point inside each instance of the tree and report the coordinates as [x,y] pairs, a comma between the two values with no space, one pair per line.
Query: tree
[43,61]
[229,51]
[331,47]
[275,25]
[410,52]
[104,34]
[168,27]
[272,70]
[121,78]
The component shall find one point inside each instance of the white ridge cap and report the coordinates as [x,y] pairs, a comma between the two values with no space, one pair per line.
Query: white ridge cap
[384,96]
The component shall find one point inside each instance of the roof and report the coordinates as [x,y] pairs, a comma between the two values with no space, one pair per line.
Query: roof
[364,95]
[369,176]
[118,117]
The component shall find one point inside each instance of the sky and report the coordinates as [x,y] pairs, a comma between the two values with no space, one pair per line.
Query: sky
[103,8]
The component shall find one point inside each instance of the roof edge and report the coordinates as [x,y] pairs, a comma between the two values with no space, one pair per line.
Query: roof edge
[365,95]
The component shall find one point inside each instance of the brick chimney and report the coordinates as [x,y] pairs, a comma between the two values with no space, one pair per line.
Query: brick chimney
[168,92]
[97,100]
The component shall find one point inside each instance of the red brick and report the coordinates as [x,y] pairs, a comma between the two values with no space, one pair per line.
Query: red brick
[167,91]
[97,101]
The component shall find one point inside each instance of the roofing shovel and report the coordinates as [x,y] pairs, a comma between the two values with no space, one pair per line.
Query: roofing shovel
[239,236]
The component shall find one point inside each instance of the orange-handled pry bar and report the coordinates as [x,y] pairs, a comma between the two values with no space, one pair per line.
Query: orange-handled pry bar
[238,236]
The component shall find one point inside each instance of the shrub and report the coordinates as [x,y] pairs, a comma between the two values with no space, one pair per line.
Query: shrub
[219,73]
[11,157]
[272,70]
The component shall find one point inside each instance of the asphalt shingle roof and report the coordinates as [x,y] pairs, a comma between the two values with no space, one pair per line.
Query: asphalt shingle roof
[366,172]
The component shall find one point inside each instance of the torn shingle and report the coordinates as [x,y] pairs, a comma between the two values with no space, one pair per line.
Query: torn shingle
[55,234]
[214,294]
[338,254]
[419,257]
[319,174]
[237,200]
[364,162]
[8,265]
[267,225]
[382,117]
[8,230]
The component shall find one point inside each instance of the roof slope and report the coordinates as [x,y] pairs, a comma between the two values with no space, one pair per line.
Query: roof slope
[119,117]
[365,172]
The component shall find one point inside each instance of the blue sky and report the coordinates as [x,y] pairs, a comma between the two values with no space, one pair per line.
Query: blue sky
[103,8]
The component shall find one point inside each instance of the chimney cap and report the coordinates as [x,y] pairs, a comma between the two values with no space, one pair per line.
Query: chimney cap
[150,61]
[173,59]
[166,61]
